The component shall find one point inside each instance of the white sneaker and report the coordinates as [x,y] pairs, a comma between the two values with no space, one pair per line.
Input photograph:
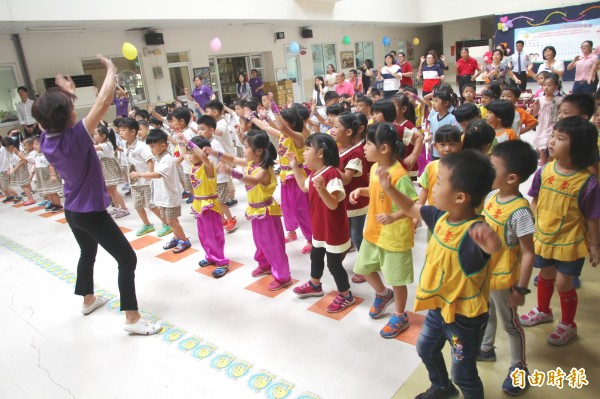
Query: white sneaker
[562,334]
[535,317]
[121,213]
[143,327]
[98,303]
[113,211]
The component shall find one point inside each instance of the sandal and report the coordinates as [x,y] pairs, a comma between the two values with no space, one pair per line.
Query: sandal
[171,244]
[220,271]
[358,278]
[205,262]
[182,246]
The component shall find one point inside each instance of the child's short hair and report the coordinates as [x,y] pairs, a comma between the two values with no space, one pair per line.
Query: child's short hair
[145,115]
[554,78]
[543,73]
[466,112]
[130,123]
[323,141]
[478,135]
[207,121]
[385,133]
[155,121]
[518,156]
[53,109]
[157,136]
[515,90]
[375,92]
[469,86]
[143,123]
[330,95]
[504,110]
[117,122]
[447,134]
[334,109]
[583,103]
[215,105]
[584,140]
[387,109]
[496,89]
[366,100]
[487,93]
[181,113]
[250,104]
[10,142]
[471,173]
[411,89]
[200,142]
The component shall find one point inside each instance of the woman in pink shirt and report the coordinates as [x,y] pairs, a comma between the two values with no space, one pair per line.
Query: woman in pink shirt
[583,65]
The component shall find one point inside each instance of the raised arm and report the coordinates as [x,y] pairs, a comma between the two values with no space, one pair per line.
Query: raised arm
[105,95]
[405,203]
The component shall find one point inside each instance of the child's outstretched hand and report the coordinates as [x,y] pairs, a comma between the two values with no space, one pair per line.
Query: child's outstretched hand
[384,218]
[594,255]
[209,151]
[384,177]
[181,138]
[485,237]
[354,195]
[292,157]
[515,299]
[319,183]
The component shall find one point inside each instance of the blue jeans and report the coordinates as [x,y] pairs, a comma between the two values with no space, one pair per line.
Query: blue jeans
[583,87]
[357,226]
[465,336]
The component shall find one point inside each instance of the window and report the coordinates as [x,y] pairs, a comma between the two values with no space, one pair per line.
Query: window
[135,86]
[180,72]
[9,98]
[364,51]
[323,55]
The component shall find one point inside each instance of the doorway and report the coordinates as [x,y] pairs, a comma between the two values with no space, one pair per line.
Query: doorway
[180,72]
[292,63]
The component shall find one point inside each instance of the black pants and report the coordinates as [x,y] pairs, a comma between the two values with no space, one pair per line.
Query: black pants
[334,264]
[462,81]
[91,229]
[522,76]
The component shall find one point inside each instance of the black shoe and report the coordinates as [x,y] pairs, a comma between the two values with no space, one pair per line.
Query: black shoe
[128,193]
[436,393]
[231,203]
[56,208]
[8,199]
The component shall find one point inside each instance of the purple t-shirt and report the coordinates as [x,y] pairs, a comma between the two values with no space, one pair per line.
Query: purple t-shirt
[254,83]
[202,95]
[589,197]
[74,158]
[122,106]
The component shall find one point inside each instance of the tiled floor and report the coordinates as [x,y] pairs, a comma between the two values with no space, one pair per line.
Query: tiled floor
[222,338]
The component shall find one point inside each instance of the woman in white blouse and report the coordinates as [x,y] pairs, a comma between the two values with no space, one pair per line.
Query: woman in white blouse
[551,64]
[330,77]
[391,74]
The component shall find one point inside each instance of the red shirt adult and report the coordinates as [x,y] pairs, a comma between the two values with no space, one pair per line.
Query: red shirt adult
[467,67]
[406,80]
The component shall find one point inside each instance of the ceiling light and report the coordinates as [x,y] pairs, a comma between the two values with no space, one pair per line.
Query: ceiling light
[47,29]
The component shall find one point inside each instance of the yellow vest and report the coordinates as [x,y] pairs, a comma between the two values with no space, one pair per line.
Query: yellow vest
[443,283]
[260,198]
[205,190]
[506,263]
[432,171]
[397,236]
[560,226]
[286,144]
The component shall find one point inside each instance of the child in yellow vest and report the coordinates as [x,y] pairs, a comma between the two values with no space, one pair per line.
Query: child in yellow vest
[509,215]
[388,234]
[263,211]
[566,202]
[454,282]
[206,205]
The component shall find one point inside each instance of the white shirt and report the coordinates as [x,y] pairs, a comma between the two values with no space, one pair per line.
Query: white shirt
[107,150]
[223,136]
[138,154]
[188,134]
[166,191]
[221,176]
[40,161]
[524,62]
[24,112]
[390,84]
[4,159]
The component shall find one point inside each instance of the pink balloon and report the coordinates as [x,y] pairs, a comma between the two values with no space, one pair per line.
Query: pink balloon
[215,45]
[504,19]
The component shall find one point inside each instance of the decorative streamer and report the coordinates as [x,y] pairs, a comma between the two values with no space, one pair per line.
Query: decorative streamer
[547,19]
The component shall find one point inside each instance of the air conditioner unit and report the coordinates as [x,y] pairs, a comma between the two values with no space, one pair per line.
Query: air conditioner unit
[84,89]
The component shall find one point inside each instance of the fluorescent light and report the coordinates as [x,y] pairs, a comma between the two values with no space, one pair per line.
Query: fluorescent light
[46,29]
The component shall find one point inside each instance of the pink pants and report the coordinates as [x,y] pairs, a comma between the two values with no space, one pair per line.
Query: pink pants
[212,237]
[270,246]
[294,205]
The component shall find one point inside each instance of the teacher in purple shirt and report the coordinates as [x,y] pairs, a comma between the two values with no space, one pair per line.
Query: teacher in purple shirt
[201,94]
[68,147]
[256,84]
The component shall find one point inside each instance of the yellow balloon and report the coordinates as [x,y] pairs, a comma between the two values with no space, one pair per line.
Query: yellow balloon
[416,41]
[129,51]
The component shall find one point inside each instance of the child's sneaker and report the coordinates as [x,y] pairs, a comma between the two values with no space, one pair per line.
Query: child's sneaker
[220,271]
[277,285]
[48,206]
[189,199]
[380,303]
[562,334]
[535,317]
[291,236]
[340,303]
[261,271]
[181,246]
[17,199]
[43,203]
[436,393]
[395,326]
[56,208]
[8,199]
[231,225]
[113,211]
[205,262]
[122,213]
[149,228]
[508,387]
[487,356]
[308,289]
[307,248]
[164,230]
[171,244]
